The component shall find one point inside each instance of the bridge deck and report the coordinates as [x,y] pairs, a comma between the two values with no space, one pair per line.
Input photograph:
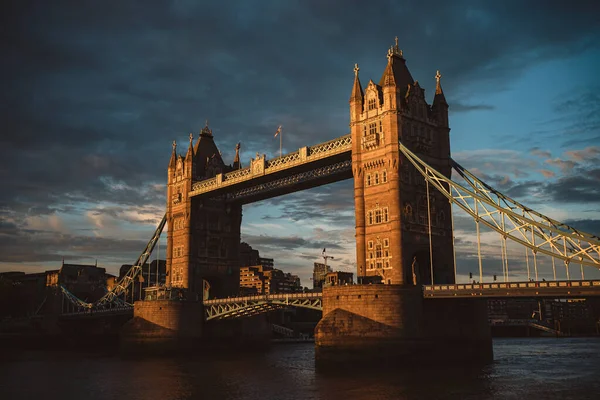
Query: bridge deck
[306,168]
[515,289]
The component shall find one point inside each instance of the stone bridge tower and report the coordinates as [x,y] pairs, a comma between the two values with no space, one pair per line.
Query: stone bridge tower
[393,214]
[203,234]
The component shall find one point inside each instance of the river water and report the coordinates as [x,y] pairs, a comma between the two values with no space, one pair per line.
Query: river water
[523,368]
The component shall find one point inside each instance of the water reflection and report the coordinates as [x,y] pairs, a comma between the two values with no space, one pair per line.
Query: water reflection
[523,368]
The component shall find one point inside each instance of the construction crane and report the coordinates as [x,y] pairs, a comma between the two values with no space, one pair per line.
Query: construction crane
[325,258]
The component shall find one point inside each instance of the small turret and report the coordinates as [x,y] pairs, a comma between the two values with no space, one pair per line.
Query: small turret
[357,97]
[396,73]
[440,106]
[190,152]
[439,93]
[173,160]
[206,131]
[357,92]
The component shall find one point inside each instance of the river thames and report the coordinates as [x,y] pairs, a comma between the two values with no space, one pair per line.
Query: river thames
[523,368]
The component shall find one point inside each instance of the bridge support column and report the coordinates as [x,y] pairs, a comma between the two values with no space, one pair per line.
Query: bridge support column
[173,326]
[163,326]
[394,323]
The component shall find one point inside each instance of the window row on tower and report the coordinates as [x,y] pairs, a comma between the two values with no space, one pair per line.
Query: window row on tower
[377,216]
[177,276]
[178,223]
[376,178]
[177,251]
[373,128]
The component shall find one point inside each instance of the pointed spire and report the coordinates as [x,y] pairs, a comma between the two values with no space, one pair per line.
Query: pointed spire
[236,160]
[439,93]
[396,73]
[173,155]
[357,92]
[190,152]
[206,132]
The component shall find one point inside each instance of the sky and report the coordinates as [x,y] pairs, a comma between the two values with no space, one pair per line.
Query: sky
[95,92]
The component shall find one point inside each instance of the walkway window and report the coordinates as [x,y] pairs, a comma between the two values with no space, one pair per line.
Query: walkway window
[385,214]
[368,179]
[377,178]
[386,242]
[378,251]
[384,176]
[370,217]
[380,127]
[370,244]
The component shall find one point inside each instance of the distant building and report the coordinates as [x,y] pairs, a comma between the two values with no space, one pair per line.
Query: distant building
[261,279]
[24,294]
[338,278]
[250,257]
[267,262]
[320,271]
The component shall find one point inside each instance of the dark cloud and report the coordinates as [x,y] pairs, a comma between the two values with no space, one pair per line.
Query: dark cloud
[333,204]
[94,92]
[286,243]
[586,225]
[34,246]
[582,187]
[457,106]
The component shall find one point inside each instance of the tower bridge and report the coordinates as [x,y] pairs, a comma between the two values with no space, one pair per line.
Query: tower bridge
[398,155]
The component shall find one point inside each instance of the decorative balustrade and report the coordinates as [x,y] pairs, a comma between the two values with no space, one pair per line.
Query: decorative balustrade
[260,166]
[236,176]
[284,161]
[335,146]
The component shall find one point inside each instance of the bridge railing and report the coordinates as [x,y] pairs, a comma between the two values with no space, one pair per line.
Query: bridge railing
[265,297]
[513,285]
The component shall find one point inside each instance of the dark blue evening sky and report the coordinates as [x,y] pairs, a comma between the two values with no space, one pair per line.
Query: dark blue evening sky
[94,92]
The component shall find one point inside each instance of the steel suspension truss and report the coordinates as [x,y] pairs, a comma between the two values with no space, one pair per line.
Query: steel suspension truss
[114,299]
[511,219]
[252,305]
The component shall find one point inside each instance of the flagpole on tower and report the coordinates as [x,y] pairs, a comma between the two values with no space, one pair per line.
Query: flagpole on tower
[278,132]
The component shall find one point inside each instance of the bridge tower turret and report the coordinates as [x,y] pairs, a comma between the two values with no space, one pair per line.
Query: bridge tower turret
[393,213]
[203,234]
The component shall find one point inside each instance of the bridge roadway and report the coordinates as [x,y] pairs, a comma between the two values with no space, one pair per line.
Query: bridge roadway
[250,305]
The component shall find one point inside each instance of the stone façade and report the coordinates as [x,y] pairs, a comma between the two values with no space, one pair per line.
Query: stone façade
[392,210]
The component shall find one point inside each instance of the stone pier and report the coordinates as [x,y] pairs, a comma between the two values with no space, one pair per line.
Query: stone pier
[172,326]
[395,323]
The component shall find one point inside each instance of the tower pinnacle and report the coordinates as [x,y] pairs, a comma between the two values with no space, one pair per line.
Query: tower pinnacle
[439,97]
[438,87]
[173,155]
[357,92]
